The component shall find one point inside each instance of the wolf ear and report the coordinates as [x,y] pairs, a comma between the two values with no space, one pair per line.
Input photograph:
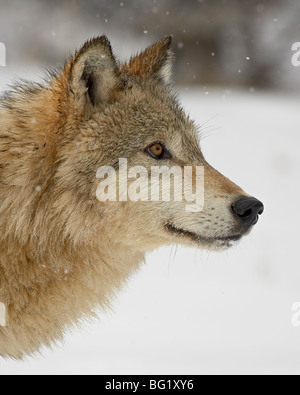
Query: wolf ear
[94,72]
[155,61]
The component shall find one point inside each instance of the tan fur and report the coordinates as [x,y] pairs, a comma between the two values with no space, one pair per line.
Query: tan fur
[62,252]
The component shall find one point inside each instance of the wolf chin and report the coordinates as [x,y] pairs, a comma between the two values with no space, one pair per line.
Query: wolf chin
[63,252]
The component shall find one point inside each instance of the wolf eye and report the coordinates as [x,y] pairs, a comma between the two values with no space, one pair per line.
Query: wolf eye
[158,151]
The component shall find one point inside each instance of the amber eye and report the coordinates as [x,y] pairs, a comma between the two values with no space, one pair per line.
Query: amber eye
[158,151]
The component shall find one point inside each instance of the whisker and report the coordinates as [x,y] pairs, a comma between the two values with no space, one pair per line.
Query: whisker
[171,258]
[205,129]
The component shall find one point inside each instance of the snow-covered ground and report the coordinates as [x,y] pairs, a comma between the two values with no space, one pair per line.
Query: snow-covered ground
[189,312]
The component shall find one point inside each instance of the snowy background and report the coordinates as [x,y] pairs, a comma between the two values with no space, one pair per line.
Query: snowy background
[186,311]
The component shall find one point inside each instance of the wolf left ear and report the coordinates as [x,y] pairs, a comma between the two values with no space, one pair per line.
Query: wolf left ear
[94,73]
[155,61]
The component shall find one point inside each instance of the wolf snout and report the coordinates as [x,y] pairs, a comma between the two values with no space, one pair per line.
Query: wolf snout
[248,209]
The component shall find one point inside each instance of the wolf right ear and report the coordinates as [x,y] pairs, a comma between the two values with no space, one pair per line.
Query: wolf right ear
[94,73]
[155,61]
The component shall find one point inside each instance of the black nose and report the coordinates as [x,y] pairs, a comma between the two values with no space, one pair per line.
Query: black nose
[248,209]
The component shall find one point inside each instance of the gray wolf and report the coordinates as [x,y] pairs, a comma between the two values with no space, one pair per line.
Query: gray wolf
[62,251]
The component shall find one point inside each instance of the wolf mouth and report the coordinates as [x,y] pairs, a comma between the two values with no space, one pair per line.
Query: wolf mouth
[226,241]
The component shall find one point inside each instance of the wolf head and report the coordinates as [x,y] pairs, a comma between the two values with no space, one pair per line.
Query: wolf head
[96,113]
[128,111]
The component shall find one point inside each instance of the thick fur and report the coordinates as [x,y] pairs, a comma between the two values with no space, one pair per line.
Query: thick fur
[62,252]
